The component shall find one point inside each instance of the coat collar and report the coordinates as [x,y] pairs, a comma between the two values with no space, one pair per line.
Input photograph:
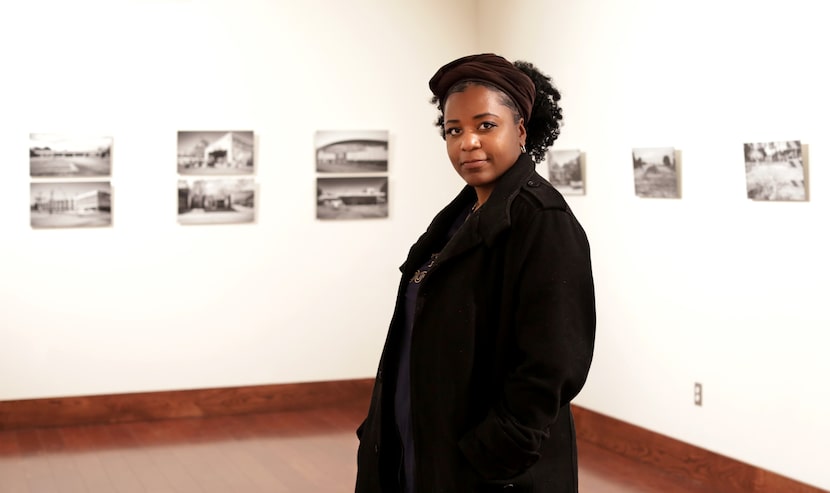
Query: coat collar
[494,216]
[482,226]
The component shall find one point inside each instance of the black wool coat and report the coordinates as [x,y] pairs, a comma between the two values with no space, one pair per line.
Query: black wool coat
[502,341]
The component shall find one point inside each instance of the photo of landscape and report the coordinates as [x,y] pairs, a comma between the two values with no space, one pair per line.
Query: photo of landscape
[775,171]
[655,172]
[63,155]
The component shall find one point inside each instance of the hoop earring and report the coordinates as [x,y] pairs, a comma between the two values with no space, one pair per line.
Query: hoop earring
[523,148]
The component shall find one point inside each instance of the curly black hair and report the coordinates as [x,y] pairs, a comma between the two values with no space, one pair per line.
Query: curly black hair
[545,118]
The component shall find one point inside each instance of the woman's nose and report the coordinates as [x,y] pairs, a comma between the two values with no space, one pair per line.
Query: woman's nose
[470,141]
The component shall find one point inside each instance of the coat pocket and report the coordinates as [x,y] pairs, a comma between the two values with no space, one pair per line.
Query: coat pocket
[523,483]
[520,483]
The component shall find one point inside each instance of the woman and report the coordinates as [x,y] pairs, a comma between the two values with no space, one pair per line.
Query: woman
[493,330]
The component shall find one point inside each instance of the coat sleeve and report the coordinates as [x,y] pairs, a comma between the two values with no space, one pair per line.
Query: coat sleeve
[549,343]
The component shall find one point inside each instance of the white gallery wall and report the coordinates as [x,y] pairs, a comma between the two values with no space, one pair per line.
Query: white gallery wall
[148,304]
[709,288]
[713,287]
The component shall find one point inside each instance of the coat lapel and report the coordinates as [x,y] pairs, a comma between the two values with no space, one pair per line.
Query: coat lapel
[483,226]
[495,215]
[432,240]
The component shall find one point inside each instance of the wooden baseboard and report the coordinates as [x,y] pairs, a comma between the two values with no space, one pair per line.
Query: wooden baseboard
[120,408]
[719,473]
[716,472]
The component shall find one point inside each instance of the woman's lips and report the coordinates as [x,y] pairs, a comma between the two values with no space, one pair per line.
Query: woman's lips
[473,163]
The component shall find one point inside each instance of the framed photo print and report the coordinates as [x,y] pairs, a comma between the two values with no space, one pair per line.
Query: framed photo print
[566,171]
[352,197]
[775,171]
[217,201]
[69,156]
[352,151]
[70,204]
[655,172]
[226,152]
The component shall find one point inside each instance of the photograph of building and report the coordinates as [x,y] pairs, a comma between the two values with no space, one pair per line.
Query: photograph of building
[212,153]
[70,204]
[565,171]
[65,155]
[352,151]
[217,201]
[775,171]
[352,198]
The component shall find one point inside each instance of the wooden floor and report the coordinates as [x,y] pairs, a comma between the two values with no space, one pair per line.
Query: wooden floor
[310,451]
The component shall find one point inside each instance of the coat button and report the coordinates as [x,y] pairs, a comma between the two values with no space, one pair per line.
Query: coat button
[376,448]
[532,183]
[509,486]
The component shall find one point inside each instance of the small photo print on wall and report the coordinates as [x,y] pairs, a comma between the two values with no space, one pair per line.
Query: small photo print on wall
[352,198]
[655,172]
[217,201]
[775,171]
[215,153]
[565,171]
[66,155]
[71,204]
[352,151]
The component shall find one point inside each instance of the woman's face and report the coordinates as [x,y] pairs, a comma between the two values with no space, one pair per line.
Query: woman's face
[483,140]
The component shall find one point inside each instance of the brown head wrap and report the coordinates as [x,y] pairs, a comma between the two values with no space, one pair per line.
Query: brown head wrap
[490,68]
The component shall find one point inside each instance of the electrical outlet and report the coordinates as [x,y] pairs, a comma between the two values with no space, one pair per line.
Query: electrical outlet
[698,394]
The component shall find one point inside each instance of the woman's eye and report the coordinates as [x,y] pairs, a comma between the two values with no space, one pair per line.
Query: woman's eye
[452,131]
[487,125]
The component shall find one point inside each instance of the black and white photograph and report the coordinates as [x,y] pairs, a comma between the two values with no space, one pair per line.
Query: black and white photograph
[775,171]
[71,204]
[655,172]
[352,151]
[216,152]
[66,155]
[217,201]
[352,198]
[565,171]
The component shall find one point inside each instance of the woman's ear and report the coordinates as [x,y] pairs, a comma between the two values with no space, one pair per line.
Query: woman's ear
[522,132]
